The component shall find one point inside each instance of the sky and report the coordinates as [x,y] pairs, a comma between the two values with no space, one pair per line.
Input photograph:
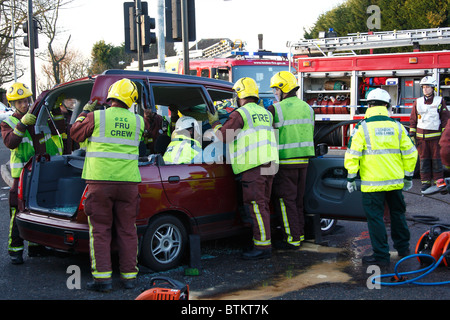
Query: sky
[280,21]
[89,21]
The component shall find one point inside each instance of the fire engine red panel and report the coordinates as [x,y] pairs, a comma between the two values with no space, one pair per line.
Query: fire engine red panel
[425,60]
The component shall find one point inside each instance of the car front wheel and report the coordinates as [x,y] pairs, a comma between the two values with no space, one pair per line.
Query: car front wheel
[164,243]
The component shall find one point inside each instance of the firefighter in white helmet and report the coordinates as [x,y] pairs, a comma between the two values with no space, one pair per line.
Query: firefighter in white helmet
[185,146]
[383,153]
[429,116]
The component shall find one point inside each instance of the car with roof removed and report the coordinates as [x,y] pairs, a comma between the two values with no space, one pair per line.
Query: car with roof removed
[176,200]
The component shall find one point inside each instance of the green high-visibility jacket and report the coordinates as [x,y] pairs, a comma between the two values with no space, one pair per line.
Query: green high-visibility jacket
[381,150]
[112,152]
[294,119]
[183,150]
[20,155]
[255,144]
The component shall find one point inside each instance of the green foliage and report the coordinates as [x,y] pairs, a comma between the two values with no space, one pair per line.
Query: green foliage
[351,17]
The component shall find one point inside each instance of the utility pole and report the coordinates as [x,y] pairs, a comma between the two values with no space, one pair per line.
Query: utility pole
[161,38]
[31,42]
[185,30]
[138,22]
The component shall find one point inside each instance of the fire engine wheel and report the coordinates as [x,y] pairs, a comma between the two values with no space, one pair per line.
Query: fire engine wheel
[164,243]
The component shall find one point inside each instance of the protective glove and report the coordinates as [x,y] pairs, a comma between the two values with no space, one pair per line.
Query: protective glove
[90,106]
[413,138]
[407,184]
[212,117]
[351,186]
[28,119]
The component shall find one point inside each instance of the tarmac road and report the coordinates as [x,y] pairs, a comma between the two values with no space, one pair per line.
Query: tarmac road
[327,272]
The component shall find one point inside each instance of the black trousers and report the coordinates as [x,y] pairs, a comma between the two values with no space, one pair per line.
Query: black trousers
[373,204]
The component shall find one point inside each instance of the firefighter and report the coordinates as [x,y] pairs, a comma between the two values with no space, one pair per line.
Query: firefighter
[185,146]
[112,176]
[19,137]
[294,120]
[383,153]
[253,156]
[160,129]
[429,116]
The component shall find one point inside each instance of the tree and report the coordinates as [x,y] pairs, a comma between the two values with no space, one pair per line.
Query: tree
[351,16]
[42,9]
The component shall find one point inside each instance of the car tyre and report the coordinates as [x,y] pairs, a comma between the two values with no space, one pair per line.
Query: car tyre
[327,226]
[164,243]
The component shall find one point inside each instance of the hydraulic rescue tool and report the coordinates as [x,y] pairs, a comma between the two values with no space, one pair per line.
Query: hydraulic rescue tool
[164,288]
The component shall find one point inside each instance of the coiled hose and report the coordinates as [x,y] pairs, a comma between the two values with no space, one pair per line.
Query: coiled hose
[399,275]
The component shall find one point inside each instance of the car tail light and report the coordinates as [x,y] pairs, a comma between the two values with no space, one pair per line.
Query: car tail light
[83,199]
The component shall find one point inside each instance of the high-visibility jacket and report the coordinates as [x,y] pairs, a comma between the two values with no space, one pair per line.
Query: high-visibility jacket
[255,144]
[20,155]
[182,150]
[112,151]
[294,119]
[381,150]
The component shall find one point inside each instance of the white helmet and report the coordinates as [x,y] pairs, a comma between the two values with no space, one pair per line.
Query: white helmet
[379,95]
[429,81]
[185,123]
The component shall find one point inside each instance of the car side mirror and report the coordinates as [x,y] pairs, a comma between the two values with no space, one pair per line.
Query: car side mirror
[321,149]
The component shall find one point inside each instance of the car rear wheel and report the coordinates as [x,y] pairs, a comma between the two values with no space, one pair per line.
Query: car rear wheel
[164,243]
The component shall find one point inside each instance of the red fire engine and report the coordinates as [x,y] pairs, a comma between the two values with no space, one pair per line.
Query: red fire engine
[336,85]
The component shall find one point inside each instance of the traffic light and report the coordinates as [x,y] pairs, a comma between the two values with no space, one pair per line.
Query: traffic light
[173,20]
[26,38]
[147,25]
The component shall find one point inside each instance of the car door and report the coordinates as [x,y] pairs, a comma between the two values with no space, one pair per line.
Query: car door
[207,192]
[326,191]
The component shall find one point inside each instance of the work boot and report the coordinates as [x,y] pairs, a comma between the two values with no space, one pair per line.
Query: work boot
[100,286]
[129,283]
[255,254]
[424,187]
[16,258]
[283,245]
[404,253]
[371,260]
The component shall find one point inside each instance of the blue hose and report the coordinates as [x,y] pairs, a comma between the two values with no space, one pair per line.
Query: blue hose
[427,270]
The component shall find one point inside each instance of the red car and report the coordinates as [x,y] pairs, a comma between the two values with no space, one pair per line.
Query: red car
[176,200]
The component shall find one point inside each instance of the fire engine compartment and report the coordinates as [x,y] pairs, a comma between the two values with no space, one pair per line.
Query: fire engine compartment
[337,86]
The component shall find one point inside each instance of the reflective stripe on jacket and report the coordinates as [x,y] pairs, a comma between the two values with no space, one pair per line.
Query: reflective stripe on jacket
[294,119]
[255,144]
[20,155]
[381,150]
[182,150]
[112,151]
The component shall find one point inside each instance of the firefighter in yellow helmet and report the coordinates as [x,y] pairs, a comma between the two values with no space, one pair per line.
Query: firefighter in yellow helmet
[112,176]
[385,157]
[253,156]
[294,120]
[19,136]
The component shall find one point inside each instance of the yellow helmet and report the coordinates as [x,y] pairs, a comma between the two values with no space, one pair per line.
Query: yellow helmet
[18,91]
[123,90]
[246,87]
[284,80]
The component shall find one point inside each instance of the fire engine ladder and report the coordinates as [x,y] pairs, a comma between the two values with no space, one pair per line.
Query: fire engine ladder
[386,39]
[217,49]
